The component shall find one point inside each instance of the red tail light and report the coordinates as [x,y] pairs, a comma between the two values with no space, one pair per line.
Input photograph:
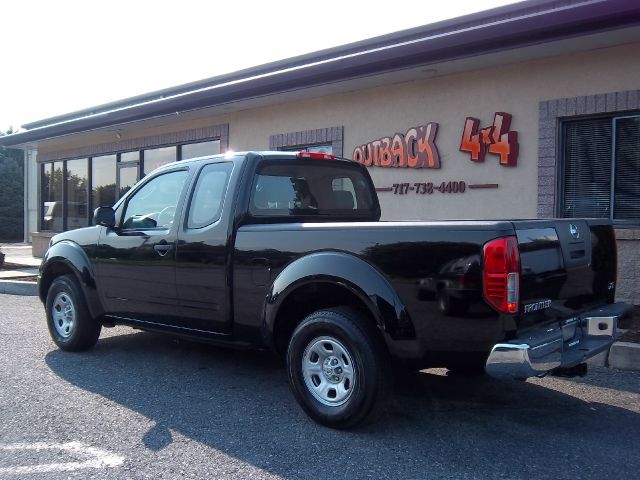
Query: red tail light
[316,155]
[501,276]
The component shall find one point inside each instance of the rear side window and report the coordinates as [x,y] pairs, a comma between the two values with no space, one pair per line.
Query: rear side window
[311,188]
[208,196]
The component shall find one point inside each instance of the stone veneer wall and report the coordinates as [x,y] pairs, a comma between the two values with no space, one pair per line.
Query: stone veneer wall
[628,284]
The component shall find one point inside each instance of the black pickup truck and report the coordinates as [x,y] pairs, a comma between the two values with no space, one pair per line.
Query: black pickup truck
[287,251]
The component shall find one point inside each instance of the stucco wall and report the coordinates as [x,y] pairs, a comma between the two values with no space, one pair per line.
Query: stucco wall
[369,114]
[447,100]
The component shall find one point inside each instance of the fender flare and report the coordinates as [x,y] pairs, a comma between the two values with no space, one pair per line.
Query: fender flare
[350,272]
[75,259]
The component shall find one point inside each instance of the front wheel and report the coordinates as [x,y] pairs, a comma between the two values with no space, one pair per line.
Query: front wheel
[338,367]
[70,324]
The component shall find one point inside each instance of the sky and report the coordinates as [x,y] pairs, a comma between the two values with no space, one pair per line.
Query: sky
[60,56]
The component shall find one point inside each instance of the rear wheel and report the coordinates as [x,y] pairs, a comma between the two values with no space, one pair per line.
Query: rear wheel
[70,324]
[449,305]
[338,367]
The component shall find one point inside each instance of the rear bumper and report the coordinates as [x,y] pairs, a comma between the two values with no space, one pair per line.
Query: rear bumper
[561,345]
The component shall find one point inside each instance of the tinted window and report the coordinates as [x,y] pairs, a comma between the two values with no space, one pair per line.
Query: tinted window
[52,185]
[208,196]
[156,157]
[77,193]
[103,176]
[200,149]
[128,178]
[155,204]
[311,188]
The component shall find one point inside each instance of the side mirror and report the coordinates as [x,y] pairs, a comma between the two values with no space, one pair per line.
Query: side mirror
[104,216]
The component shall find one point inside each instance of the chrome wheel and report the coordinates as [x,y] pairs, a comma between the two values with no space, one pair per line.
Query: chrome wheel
[328,371]
[64,314]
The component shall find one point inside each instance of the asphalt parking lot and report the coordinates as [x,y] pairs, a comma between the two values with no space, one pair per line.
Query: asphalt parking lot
[142,405]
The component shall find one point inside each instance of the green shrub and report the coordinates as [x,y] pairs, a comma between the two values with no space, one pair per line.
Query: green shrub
[11,195]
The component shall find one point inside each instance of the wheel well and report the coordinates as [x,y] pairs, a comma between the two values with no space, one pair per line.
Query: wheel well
[308,299]
[49,275]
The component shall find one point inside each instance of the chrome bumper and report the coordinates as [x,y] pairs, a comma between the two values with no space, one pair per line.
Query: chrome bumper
[562,345]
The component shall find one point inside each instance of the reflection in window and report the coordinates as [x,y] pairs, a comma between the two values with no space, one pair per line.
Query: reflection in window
[103,177]
[154,204]
[130,156]
[156,157]
[201,149]
[52,182]
[208,195]
[311,189]
[128,178]
[77,194]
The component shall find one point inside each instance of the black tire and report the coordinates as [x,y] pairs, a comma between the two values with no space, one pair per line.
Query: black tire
[449,306]
[467,371]
[367,386]
[77,330]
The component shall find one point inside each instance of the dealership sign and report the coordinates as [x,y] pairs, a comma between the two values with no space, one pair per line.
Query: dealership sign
[497,139]
[414,149]
[417,147]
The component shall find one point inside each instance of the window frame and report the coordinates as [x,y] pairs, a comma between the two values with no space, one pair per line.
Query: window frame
[561,168]
[193,190]
[222,138]
[64,194]
[373,211]
[123,202]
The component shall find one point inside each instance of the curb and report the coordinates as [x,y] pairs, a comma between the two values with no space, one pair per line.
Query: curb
[16,287]
[621,355]
[625,356]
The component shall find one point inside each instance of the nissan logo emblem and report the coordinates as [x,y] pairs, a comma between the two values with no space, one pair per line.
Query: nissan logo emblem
[573,230]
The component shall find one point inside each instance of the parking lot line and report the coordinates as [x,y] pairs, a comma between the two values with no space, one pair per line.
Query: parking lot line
[93,458]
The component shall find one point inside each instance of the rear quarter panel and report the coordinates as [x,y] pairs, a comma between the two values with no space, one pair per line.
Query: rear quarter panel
[408,254]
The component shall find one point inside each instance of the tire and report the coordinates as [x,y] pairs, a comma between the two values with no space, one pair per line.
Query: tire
[70,324]
[338,367]
[468,371]
[451,307]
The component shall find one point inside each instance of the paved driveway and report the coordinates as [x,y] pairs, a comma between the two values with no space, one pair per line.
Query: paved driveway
[142,405]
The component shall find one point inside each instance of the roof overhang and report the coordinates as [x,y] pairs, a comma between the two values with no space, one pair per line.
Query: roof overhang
[507,28]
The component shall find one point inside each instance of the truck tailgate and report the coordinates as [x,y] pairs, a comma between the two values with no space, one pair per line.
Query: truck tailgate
[567,267]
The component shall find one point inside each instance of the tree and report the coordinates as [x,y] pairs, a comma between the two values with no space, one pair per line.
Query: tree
[11,193]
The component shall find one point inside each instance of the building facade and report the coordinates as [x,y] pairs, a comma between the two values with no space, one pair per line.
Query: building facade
[527,111]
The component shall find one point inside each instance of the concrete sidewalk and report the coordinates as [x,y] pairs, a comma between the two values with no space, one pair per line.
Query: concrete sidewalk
[17,275]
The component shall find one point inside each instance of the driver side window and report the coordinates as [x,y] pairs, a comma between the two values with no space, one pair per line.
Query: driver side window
[155,204]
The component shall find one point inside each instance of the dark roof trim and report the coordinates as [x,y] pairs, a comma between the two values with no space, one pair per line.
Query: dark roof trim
[505,28]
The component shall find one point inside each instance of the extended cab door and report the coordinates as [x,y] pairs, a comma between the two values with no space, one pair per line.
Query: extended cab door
[204,243]
[136,259]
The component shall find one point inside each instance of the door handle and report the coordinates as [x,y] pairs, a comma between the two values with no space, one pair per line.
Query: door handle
[162,248]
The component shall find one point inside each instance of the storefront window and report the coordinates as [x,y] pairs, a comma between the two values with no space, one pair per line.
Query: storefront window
[201,149]
[601,169]
[103,177]
[156,157]
[68,199]
[77,193]
[128,178]
[52,188]
[324,148]
[130,156]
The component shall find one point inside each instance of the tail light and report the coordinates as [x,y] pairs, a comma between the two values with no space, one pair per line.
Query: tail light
[501,277]
[316,155]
